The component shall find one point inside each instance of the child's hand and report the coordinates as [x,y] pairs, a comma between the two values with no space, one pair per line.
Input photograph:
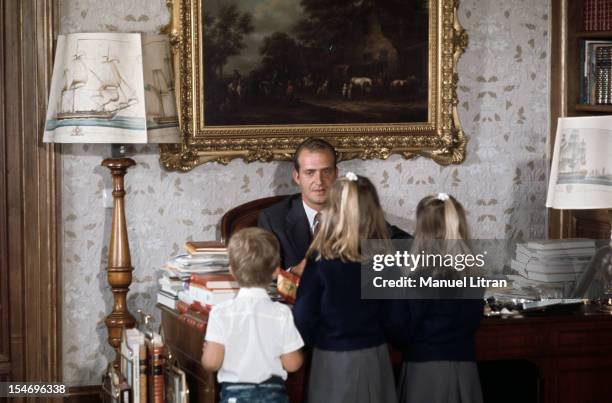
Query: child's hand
[292,361]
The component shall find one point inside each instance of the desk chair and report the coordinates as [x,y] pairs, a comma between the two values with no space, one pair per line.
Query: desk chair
[245,215]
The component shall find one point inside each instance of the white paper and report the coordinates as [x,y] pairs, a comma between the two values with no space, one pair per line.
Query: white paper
[97,90]
[581,171]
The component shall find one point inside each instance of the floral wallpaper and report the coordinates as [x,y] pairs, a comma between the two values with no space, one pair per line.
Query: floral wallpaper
[503,106]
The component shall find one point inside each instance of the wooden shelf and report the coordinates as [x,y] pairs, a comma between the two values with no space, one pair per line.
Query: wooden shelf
[594,34]
[594,108]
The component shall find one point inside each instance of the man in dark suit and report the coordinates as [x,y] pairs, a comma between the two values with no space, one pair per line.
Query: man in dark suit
[294,219]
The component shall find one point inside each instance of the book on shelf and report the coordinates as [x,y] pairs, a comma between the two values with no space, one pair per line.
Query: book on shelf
[155,351]
[133,362]
[205,247]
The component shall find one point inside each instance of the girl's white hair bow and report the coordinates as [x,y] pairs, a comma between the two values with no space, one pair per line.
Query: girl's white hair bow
[351,176]
[442,196]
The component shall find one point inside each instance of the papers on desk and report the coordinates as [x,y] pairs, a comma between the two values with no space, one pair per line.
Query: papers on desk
[183,266]
[552,261]
[546,303]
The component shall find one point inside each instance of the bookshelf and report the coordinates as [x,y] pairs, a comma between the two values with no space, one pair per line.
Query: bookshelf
[567,32]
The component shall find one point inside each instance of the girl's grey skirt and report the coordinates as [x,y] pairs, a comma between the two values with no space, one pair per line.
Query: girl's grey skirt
[439,382]
[359,376]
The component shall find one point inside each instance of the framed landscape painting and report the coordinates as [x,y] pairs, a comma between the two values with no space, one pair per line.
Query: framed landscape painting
[374,77]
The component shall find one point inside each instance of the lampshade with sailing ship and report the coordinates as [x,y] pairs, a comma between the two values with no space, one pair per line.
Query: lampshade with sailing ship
[112,88]
[581,179]
[581,171]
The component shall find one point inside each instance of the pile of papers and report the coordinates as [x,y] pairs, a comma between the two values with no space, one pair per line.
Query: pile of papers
[199,276]
[551,264]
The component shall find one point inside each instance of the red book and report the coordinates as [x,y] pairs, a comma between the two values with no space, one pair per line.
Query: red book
[194,320]
[214,281]
[182,306]
[198,307]
[155,350]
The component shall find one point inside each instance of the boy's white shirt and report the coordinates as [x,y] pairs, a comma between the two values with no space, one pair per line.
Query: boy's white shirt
[255,332]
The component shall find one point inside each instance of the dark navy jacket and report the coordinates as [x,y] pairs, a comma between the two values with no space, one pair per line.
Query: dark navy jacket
[438,330]
[329,311]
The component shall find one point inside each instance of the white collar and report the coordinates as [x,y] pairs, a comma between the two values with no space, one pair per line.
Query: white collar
[310,214]
[252,292]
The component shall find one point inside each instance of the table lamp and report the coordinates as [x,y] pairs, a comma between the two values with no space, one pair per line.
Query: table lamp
[580,179]
[113,88]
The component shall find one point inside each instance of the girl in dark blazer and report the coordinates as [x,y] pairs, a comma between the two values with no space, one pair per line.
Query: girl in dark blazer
[438,337]
[350,361]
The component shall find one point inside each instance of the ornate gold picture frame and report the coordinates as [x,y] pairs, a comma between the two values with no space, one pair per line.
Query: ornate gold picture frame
[257,95]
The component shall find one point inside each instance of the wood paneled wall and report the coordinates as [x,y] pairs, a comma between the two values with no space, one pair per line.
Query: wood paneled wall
[30,287]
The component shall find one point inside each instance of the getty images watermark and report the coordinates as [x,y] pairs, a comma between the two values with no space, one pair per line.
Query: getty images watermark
[432,269]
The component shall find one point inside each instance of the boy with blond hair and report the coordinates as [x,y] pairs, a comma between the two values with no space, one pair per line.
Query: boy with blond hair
[251,340]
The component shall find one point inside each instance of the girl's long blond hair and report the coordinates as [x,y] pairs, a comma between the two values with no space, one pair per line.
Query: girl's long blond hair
[352,213]
[441,219]
[442,228]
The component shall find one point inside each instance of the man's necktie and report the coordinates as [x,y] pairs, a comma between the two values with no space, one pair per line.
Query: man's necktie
[316,224]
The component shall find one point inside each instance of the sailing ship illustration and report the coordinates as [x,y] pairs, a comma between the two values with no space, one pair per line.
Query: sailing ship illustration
[102,90]
[163,89]
[572,157]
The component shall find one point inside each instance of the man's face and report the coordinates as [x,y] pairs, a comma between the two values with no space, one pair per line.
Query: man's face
[317,174]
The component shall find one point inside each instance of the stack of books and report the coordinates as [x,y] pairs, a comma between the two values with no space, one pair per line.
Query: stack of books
[553,261]
[200,258]
[194,282]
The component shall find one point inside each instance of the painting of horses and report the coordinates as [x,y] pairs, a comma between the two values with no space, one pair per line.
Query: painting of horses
[270,62]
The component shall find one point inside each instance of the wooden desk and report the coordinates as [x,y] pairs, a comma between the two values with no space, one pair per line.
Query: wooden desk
[572,352]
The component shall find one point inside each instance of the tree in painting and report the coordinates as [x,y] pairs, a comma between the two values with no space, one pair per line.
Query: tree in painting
[333,61]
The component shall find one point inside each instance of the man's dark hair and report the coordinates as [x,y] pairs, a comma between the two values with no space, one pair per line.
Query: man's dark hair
[313,144]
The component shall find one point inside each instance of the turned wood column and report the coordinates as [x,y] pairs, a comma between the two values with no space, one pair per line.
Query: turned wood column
[119,262]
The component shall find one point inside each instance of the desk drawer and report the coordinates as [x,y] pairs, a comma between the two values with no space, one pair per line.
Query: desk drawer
[583,338]
[500,341]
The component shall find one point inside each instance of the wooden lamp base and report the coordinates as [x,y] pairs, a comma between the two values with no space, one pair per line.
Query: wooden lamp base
[119,262]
